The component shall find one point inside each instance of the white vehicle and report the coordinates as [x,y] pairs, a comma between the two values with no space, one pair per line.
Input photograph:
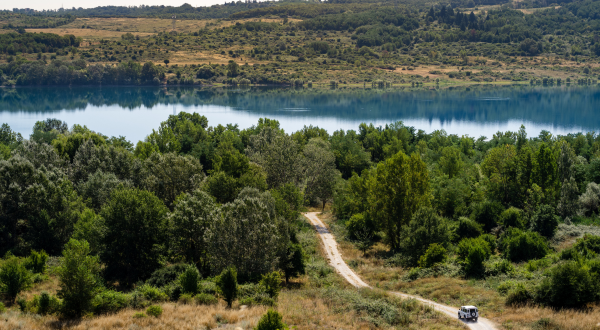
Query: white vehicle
[468,313]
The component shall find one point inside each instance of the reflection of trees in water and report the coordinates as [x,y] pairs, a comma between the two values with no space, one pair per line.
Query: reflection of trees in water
[562,106]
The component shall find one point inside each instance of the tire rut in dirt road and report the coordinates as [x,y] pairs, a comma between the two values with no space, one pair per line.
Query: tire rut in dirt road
[335,259]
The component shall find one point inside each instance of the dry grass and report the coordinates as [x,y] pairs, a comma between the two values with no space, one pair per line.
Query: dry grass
[175,316]
[546,318]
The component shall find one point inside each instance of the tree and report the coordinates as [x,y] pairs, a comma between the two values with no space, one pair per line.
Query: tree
[467,228]
[91,228]
[79,278]
[227,284]
[272,283]
[98,187]
[38,207]
[568,204]
[500,166]
[293,263]
[319,170]
[169,175]
[136,232]
[232,69]
[166,61]
[192,216]
[450,163]
[590,199]
[14,278]
[396,190]
[249,235]
[277,153]
[425,228]
[545,173]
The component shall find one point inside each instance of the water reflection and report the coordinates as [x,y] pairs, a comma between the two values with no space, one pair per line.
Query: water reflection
[475,110]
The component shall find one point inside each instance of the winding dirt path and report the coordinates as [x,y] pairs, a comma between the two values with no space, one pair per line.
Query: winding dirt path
[335,259]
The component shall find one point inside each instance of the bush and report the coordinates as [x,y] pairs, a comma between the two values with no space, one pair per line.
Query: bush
[186,299]
[488,214]
[154,310]
[227,284]
[518,245]
[512,217]
[435,254]
[570,285]
[473,252]
[272,320]
[519,296]
[2,308]
[14,278]
[544,221]
[166,275]
[189,280]
[588,246]
[139,315]
[491,240]
[467,228]
[152,293]
[45,304]
[109,301]
[36,262]
[258,299]
[208,287]
[272,284]
[205,299]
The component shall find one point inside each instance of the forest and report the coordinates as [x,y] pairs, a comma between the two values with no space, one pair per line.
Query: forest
[194,205]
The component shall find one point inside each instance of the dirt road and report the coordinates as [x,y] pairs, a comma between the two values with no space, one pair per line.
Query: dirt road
[335,259]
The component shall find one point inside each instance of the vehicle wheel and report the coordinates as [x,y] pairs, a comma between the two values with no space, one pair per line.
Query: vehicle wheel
[475,319]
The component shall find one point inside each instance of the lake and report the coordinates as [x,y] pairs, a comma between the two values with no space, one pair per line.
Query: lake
[475,110]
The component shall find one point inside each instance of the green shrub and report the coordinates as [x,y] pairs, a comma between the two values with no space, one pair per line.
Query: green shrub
[491,240]
[570,285]
[502,267]
[227,284]
[487,214]
[505,287]
[465,245]
[518,245]
[205,299]
[36,262]
[47,304]
[435,254]
[588,246]
[139,315]
[467,228]
[186,299]
[258,299]
[166,275]
[189,280]
[14,278]
[272,320]
[2,308]
[154,310]
[512,217]
[152,293]
[272,284]
[544,221]
[109,301]
[519,296]
[209,287]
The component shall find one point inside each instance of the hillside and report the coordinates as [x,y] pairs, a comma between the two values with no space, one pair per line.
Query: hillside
[296,43]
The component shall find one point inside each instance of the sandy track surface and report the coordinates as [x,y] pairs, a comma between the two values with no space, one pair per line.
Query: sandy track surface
[335,259]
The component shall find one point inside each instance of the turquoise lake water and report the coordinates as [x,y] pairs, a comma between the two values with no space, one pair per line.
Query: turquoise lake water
[475,111]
